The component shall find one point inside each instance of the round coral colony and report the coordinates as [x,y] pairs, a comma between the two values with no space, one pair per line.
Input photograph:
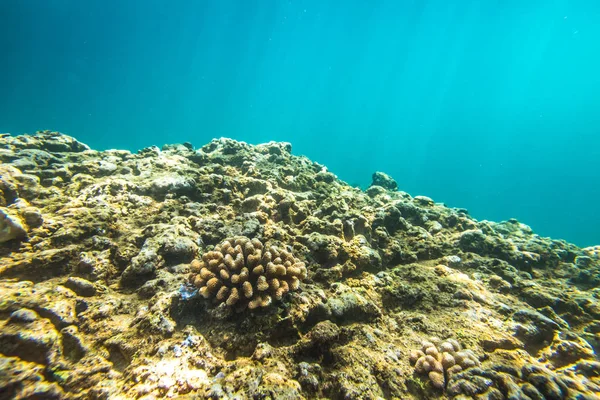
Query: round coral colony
[439,360]
[242,273]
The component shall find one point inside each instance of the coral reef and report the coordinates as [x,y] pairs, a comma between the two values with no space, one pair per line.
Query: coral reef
[442,359]
[104,257]
[240,272]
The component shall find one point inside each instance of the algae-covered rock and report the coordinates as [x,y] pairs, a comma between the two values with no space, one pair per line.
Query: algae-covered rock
[384,180]
[81,286]
[10,226]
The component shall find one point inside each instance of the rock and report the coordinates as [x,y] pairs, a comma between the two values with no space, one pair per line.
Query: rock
[348,305]
[33,217]
[26,380]
[435,227]
[500,284]
[170,184]
[180,249]
[537,327]
[568,352]
[463,294]
[23,315]
[58,142]
[384,180]
[324,333]
[583,261]
[547,386]
[472,240]
[141,269]
[81,286]
[154,286]
[309,376]
[424,201]
[374,191]
[74,348]
[10,226]
[495,343]
[35,341]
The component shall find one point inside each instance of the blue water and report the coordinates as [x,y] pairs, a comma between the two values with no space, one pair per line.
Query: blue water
[493,106]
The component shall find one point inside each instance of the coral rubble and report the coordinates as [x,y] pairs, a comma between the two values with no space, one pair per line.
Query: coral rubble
[121,274]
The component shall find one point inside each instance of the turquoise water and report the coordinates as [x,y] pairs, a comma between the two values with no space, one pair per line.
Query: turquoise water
[492,106]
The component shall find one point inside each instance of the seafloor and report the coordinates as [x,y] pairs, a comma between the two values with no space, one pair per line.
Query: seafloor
[116,283]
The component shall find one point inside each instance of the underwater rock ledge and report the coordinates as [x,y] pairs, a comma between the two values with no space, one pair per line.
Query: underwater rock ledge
[98,249]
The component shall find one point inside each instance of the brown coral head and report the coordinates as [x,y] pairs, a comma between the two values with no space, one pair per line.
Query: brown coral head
[441,359]
[243,273]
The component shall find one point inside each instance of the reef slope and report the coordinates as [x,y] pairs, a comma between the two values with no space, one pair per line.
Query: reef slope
[97,249]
